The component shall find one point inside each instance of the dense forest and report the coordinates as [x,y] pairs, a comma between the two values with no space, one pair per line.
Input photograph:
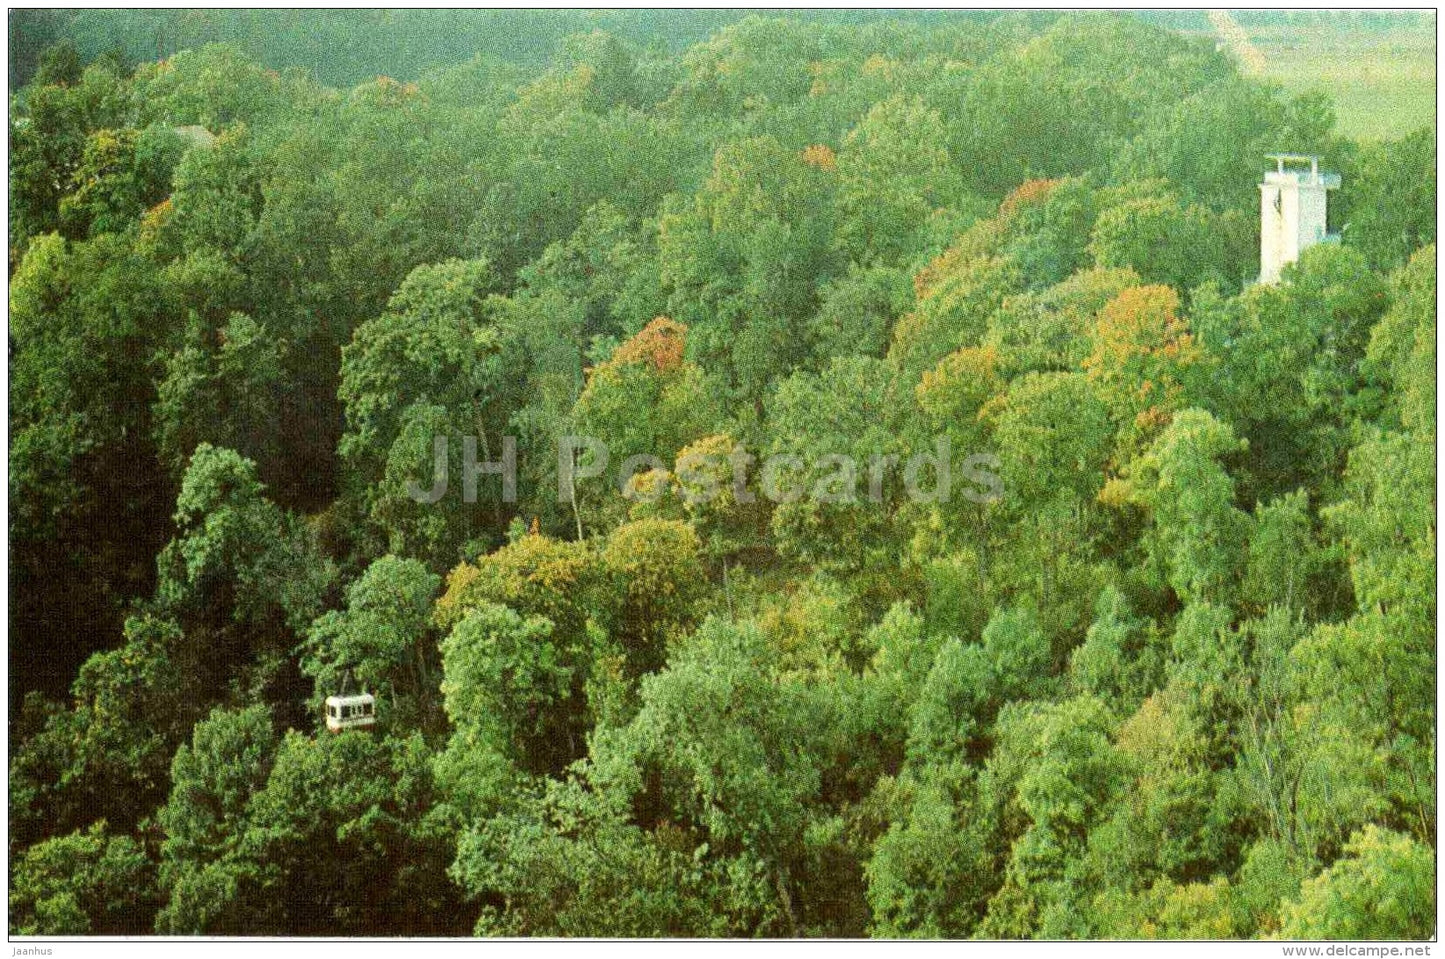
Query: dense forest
[1176,679]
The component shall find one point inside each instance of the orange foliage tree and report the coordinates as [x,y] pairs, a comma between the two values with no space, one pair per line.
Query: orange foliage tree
[660,344]
[1142,359]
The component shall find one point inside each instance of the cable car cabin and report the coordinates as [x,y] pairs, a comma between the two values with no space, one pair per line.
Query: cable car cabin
[350,712]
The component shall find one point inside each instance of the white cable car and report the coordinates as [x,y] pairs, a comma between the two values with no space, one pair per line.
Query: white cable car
[350,710]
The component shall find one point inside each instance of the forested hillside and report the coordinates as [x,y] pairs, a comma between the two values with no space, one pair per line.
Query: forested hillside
[1174,679]
[404,42]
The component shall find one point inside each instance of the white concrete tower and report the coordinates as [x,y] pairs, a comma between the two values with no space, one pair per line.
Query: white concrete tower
[1292,208]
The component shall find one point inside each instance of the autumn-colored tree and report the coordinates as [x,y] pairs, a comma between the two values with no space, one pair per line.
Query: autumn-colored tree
[1144,359]
[645,400]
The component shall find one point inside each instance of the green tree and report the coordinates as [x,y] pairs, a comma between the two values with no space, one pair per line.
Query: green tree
[857,312]
[84,884]
[221,389]
[506,686]
[1169,243]
[1301,342]
[1391,199]
[1052,776]
[833,489]
[1054,438]
[341,820]
[432,367]
[1198,533]
[931,873]
[893,172]
[655,570]
[741,259]
[737,751]
[106,755]
[49,130]
[122,174]
[384,636]
[89,500]
[237,555]
[1382,889]
[212,780]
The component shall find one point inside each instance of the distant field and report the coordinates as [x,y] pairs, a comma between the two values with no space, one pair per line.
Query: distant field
[1382,81]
